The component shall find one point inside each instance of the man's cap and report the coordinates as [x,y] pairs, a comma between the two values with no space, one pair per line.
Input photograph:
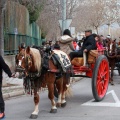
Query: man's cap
[88,31]
[108,36]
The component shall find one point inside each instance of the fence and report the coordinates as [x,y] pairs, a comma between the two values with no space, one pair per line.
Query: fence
[12,42]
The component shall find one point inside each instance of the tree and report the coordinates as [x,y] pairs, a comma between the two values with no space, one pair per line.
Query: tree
[95,13]
[52,12]
[111,13]
[34,7]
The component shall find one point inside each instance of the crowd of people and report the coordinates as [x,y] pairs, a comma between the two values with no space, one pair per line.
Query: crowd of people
[75,48]
[67,43]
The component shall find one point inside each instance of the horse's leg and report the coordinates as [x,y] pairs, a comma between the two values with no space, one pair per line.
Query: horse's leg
[111,79]
[63,102]
[66,86]
[34,115]
[50,77]
[59,85]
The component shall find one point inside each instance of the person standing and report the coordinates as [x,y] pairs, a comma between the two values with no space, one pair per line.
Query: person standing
[22,45]
[3,66]
[66,42]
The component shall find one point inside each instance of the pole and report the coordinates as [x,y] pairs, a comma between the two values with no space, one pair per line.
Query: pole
[63,15]
[2,7]
[15,45]
[109,30]
[1,35]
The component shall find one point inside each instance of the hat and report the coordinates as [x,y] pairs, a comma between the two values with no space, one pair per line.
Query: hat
[50,40]
[108,36]
[88,31]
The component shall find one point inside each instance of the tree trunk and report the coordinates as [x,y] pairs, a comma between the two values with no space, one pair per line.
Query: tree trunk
[96,29]
[2,7]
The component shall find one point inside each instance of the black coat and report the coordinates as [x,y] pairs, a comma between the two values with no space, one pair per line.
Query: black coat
[89,43]
[4,66]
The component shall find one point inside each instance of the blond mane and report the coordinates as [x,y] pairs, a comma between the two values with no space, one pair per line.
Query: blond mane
[36,58]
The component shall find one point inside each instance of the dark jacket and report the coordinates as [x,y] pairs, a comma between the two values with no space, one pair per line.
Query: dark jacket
[89,43]
[4,66]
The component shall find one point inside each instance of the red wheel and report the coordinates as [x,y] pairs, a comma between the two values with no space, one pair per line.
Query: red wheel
[100,79]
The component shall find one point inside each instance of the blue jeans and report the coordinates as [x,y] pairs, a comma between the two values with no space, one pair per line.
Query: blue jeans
[2,104]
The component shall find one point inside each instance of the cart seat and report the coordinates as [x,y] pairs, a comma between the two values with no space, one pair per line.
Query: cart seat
[92,55]
[78,61]
[81,61]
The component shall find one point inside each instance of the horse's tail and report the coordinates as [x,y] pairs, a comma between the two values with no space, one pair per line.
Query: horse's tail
[69,92]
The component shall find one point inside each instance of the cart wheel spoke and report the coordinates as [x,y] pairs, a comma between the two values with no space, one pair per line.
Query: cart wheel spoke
[105,72]
[100,88]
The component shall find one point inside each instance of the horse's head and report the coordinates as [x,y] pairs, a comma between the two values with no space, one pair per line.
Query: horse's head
[29,60]
[111,47]
[20,60]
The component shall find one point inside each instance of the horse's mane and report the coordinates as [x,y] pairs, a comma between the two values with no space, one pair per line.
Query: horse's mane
[36,58]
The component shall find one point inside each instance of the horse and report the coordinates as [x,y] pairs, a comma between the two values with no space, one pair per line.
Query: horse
[118,57]
[38,75]
[111,55]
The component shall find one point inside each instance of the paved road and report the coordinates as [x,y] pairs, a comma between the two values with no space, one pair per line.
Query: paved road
[76,109]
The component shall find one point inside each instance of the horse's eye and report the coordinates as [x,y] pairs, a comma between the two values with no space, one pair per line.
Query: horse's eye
[30,55]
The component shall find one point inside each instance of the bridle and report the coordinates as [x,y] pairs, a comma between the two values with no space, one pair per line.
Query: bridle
[19,67]
[112,50]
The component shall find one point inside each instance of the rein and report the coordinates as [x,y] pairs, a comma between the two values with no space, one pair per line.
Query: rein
[115,53]
[111,56]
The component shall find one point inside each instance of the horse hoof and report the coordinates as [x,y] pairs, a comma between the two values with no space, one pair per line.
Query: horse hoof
[33,116]
[112,83]
[58,105]
[53,111]
[63,104]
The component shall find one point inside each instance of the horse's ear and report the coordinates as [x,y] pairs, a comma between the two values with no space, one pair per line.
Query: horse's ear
[19,48]
[28,50]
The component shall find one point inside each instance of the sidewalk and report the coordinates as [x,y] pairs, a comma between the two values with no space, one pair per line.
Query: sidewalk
[14,87]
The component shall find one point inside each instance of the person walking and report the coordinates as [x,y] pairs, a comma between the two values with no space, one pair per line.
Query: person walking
[3,66]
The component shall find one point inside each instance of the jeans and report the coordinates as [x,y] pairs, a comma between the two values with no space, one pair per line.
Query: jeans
[2,104]
[76,54]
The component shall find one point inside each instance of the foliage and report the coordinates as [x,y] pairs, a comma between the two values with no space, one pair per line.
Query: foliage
[43,35]
[34,7]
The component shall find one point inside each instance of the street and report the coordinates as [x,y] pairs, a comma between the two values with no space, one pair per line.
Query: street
[80,106]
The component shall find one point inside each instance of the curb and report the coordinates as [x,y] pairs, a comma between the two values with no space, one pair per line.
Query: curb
[12,87]
[13,94]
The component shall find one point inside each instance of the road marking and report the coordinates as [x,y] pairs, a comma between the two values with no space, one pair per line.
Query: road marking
[104,104]
[114,96]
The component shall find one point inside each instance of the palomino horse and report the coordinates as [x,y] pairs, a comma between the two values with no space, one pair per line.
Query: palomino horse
[37,75]
[111,55]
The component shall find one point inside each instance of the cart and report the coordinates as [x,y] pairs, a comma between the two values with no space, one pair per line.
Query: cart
[97,70]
